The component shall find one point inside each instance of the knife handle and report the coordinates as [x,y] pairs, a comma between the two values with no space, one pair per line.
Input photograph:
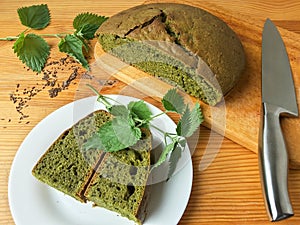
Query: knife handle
[273,162]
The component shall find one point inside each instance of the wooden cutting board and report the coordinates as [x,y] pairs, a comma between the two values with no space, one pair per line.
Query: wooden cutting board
[239,117]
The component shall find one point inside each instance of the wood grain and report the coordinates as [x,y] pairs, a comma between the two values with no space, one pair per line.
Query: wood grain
[243,103]
[226,185]
[241,108]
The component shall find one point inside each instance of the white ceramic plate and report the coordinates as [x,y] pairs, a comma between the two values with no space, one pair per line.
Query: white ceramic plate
[34,203]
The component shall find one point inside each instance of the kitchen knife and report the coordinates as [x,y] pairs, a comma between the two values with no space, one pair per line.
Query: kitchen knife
[278,98]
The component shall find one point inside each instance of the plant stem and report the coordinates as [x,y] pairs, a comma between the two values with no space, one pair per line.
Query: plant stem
[54,35]
[12,38]
[169,135]
[9,38]
[157,115]
[100,97]
[103,99]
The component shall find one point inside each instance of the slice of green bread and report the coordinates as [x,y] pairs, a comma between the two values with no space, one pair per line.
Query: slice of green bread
[180,44]
[64,165]
[120,183]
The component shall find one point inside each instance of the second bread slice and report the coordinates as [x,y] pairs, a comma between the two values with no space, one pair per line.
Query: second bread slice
[120,183]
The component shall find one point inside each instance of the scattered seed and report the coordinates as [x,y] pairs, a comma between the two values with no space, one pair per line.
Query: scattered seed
[50,80]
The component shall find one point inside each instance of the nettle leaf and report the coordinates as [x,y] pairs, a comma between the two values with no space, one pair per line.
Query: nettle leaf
[190,121]
[35,17]
[32,50]
[163,156]
[120,110]
[72,45]
[174,149]
[174,159]
[86,24]
[85,43]
[173,101]
[140,109]
[93,142]
[118,134]
[87,31]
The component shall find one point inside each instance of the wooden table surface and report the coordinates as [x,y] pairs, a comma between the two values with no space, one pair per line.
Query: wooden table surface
[225,191]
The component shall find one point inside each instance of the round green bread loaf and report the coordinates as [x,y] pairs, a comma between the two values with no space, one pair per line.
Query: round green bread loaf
[180,44]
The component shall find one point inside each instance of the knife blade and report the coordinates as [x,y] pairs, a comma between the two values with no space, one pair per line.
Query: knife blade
[278,99]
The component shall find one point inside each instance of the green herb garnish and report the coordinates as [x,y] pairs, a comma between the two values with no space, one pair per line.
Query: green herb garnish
[124,129]
[34,51]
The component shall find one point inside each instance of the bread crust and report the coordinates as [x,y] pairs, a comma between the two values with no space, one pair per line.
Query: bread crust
[196,31]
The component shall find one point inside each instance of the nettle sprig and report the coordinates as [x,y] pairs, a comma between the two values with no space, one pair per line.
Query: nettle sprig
[124,130]
[33,50]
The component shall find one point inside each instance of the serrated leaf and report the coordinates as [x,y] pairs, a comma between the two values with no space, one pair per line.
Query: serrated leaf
[86,24]
[32,50]
[35,16]
[72,45]
[173,101]
[190,121]
[119,110]
[163,156]
[118,134]
[87,31]
[93,142]
[174,158]
[86,46]
[184,123]
[140,109]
